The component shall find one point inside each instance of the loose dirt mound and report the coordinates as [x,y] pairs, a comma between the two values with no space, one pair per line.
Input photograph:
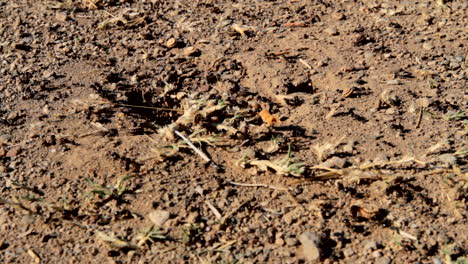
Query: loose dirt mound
[312,131]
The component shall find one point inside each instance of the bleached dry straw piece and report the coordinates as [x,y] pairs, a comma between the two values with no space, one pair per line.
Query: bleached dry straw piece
[199,152]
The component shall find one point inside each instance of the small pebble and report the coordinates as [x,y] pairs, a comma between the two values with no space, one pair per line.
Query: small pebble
[370,245]
[291,241]
[427,46]
[394,82]
[390,111]
[348,252]
[459,58]
[13,152]
[368,55]
[331,31]
[279,242]
[193,217]
[189,51]
[334,162]
[338,16]
[311,245]
[159,217]
[2,152]
[62,17]
[348,148]
[454,65]
[383,260]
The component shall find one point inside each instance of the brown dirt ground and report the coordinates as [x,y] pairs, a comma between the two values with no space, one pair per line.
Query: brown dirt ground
[370,97]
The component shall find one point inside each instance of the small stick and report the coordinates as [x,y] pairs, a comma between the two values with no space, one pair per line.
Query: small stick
[305,64]
[284,52]
[36,258]
[419,117]
[279,188]
[214,210]
[198,151]
[150,107]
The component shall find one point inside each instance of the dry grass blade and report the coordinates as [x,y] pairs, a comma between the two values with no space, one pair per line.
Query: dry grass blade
[214,210]
[455,116]
[278,188]
[198,151]
[126,18]
[324,150]
[282,166]
[362,172]
[288,165]
[347,174]
[16,204]
[386,163]
[149,235]
[242,30]
[115,192]
[113,241]
[195,109]
[90,4]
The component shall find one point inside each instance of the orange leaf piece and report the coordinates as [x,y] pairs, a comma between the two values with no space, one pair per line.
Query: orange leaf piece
[268,118]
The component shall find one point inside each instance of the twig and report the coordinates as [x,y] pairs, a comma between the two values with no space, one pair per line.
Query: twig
[152,108]
[34,256]
[198,151]
[418,123]
[214,210]
[279,188]
[305,64]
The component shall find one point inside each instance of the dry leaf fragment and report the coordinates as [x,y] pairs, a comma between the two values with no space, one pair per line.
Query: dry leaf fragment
[189,51]
[269,118]
[347,92]
[358,211]
[113,241]
[170,43]
[240,29]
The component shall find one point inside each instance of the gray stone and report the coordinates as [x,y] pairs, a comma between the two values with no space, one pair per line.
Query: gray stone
[459,58]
